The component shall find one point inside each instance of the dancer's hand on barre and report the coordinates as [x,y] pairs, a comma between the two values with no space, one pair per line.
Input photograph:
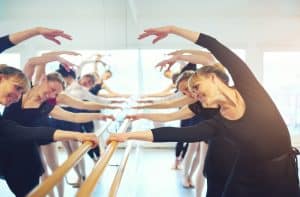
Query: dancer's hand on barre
[62,135]
[160,33]
[118,137]
[105,117]
[91,137]
[53,34]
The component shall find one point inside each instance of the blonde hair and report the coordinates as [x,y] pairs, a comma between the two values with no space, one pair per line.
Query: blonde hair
[8,72]
[57,77]
[218,69]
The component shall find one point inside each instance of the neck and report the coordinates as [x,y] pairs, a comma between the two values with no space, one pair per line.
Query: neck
[229,98]
[33,95]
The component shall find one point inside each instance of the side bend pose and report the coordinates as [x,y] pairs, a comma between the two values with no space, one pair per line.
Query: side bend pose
[33,109]
[13,84]
[266,163]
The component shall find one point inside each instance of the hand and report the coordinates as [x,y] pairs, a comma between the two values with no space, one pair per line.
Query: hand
[120,137]
[90,137]
[168,62]
[52,34]
[177,52]
[160,33]
[65,63]
[133,117]
[105,117]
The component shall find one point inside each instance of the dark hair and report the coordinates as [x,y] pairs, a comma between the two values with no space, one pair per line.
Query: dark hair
[9,71]
[57,77]
[213,69]
[64,73]
[184,77]
[189,66]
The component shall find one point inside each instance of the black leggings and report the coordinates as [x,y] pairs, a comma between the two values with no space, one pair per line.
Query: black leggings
[89,128]
[181,148]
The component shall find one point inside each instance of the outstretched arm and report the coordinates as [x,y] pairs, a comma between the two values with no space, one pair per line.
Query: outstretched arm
[166,92]
[61,114]
[50,34]
[179,102]
[163,32]
[79,104]
[183,113]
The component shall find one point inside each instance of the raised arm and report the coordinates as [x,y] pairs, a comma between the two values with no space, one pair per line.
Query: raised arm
[50,34]
[163,32]
[240,72]
[42,60]
[183,113]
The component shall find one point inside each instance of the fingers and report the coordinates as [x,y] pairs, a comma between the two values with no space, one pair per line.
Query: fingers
[111,117]
[66,36]
[157,39]
[53,39]
[143,35]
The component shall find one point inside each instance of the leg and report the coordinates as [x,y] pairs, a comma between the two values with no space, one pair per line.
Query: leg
[46,173]
[50,154]
[188,163]
[200,178]
[67,145]
[81,164]
[178,150]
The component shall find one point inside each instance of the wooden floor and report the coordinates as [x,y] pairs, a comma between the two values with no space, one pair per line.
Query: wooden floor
[148,173]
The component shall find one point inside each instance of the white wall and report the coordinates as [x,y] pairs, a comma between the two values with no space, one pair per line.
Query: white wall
[114,24]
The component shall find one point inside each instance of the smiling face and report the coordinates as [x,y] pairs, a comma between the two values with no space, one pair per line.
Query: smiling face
[87,82]
[204,88]
[11,90]
[183,87]
[49,90]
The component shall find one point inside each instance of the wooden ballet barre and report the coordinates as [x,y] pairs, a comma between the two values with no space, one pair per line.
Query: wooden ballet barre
[118,177]
[45,187]
[89,184]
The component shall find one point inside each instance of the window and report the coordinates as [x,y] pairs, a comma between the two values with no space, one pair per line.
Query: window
[282,80]
[11,59]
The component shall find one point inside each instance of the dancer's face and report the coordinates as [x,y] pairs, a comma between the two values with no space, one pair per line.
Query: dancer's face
[11,90]
[86,82]
[183,87]
[50,89]
[204,88]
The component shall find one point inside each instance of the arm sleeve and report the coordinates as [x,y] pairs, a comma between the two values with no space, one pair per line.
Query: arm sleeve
[199,132]
[94,90]
[12,131]
[195,107]
[5,43]
[240,72]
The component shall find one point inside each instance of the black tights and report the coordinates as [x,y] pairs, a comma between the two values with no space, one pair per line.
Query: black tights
[181,148]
